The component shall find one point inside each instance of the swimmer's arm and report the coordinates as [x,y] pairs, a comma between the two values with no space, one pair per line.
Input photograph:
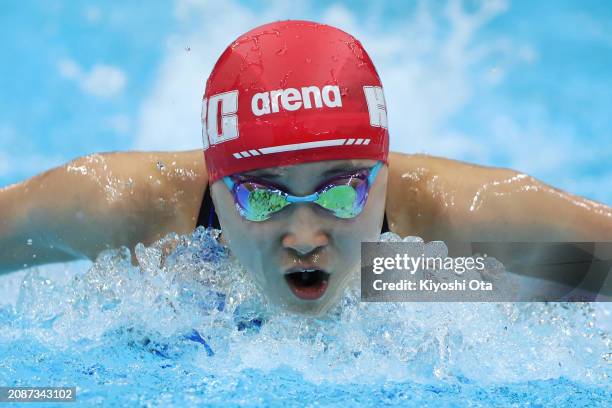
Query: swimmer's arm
[445,199]
[99,202]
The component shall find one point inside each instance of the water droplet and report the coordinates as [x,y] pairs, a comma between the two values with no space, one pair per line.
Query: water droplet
[283,82]
[308,60]
[282,51]
[255,46]
[187,48]
[333,75]
[29,241]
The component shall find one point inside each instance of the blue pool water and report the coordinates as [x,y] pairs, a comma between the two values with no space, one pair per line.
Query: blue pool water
[187,327]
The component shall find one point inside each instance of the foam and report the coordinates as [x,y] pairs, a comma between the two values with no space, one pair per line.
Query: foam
[191,282]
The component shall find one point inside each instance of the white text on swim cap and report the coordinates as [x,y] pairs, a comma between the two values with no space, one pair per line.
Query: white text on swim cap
[221,110]
[377,107]
[292,99]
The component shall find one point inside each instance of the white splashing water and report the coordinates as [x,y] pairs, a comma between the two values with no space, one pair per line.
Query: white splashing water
[191,282]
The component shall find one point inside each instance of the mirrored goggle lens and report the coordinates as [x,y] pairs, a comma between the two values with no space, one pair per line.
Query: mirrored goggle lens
[340,200]
[346,198]
[257,202]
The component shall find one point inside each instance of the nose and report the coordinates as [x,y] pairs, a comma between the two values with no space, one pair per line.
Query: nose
[305,231]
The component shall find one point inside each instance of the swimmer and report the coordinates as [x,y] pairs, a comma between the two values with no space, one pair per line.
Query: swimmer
[296,162]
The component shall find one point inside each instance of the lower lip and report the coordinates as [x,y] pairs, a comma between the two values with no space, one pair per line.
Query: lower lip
[310,292]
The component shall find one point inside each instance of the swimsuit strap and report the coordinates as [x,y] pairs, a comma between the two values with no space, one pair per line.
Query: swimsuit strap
[208,217]
[385,226]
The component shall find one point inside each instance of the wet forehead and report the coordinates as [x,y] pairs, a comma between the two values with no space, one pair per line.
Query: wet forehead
[321,169]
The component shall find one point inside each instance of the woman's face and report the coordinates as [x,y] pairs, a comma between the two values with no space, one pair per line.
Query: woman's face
[303,256]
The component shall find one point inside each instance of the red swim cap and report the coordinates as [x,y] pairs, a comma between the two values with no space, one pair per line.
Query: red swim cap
[292,92]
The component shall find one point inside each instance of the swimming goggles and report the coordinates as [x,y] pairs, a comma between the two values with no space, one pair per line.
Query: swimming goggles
[344,195]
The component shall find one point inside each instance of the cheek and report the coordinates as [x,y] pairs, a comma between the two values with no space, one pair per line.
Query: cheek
[348,236]
[247,241]
[366,227]
[240,239]
[245,247]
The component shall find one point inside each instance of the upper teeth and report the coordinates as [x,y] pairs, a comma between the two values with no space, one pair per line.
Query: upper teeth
[308,270]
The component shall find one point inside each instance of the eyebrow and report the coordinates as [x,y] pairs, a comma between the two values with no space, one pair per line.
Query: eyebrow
[263,174]
[335,170]
[342,169]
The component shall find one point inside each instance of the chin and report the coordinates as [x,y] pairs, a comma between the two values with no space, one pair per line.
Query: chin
[308,308]
[312,309]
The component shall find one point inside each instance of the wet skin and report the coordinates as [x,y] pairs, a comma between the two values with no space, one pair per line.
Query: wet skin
[109,200]
[302,235]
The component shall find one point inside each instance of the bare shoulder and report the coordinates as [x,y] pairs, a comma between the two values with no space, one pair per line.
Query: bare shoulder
[161,190]
[100,201]
[425,192]
[437,198]
[401,162]
[173,183]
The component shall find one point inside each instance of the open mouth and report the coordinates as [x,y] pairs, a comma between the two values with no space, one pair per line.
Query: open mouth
[308,284]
